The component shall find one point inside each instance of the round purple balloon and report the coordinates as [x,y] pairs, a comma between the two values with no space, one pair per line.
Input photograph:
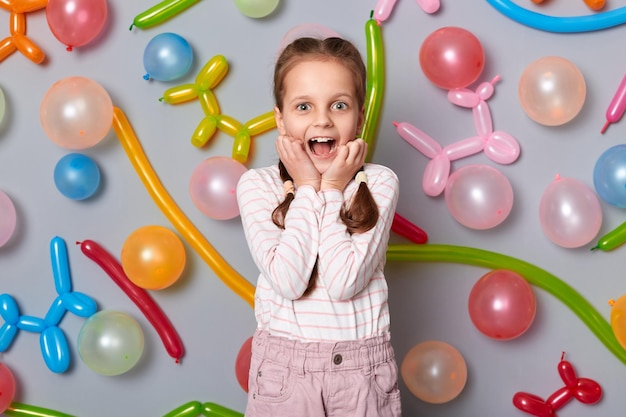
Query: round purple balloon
[213,187]
[570,213]
[479,196]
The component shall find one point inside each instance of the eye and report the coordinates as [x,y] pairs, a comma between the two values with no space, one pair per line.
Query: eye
[340,105]
[303,107]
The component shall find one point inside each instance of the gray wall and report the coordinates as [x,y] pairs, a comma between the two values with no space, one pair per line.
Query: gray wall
[428,300]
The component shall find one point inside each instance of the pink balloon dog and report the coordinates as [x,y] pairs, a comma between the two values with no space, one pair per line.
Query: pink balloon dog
[499,146]
[384,7]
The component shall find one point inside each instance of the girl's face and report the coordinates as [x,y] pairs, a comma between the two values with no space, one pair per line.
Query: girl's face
[320,109]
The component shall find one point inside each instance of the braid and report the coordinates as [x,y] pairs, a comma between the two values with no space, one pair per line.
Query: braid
[279,213]
[362,215]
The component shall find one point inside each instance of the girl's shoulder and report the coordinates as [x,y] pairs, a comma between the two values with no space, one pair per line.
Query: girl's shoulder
[379,173]
[268,174]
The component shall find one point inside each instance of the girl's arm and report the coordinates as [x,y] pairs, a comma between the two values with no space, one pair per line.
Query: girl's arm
[285,257]
[348,262]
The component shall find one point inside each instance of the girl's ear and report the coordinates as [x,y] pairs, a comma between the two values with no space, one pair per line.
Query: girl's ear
[280,124]
[359,124]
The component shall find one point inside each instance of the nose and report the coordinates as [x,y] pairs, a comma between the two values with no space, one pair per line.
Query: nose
[322,119]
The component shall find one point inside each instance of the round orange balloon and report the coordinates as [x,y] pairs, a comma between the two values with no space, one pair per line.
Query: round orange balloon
[153,257]
[434,371]
[552,90]
[618,320]
[76,113]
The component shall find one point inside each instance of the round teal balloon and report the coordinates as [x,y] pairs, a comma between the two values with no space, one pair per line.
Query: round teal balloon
[609,176]
[110,342]
[256,8]
[167,57]
[77,176]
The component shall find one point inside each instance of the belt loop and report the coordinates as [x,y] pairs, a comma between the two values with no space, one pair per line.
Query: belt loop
[365,359]
[299,357]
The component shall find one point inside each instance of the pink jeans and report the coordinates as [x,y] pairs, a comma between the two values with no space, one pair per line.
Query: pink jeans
[336,379]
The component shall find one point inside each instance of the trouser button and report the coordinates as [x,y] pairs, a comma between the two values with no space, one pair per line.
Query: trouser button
[337,359]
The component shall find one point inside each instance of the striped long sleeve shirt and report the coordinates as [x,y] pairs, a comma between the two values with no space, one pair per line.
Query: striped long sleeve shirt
[349,300]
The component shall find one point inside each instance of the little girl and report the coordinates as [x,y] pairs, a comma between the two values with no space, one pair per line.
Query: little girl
[317,225]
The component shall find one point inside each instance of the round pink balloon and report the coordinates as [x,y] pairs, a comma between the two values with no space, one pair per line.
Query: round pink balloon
[479,196]
[76,113]
[7,387]
[434,371]
[213,187]
[552,91]
[452,57]
[570,213]
[502,305]
[76,22]
[8,218]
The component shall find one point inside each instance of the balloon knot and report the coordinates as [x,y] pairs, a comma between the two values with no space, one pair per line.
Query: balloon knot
[69,48]
[146,77]
[131,26]
[611,302]
[557,177]
[161,99]
[395,123]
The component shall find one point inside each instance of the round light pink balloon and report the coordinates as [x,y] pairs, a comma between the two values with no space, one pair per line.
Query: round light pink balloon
[570,213]
[213,187]
[434,371]
[452,57]
[8,218]
[552,91]
[76,113]
[76,22]
[479,196]
[306,30]
[502,305]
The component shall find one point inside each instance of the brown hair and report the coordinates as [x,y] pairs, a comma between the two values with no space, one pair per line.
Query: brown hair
[362,214]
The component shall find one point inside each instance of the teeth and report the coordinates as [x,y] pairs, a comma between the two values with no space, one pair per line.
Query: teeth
[321,140]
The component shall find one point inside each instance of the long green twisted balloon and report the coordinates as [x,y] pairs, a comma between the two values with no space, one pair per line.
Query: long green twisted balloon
[375,84]
[534,275]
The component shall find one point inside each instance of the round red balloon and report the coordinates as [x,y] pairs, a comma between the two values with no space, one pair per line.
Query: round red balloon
[76,22]
[7,387]
[242,363]
[452,57]
[502,305]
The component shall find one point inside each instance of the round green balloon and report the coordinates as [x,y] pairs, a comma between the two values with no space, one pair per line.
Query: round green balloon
[256,8]
[110,342]
[2,105]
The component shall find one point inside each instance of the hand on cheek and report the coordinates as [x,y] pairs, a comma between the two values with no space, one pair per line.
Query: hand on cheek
[349,159]
[298,163]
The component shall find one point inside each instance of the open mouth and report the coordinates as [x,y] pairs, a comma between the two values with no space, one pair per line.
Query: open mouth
[322,146]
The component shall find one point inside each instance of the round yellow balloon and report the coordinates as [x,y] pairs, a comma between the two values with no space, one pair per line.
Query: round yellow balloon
[618,319]
[153,257]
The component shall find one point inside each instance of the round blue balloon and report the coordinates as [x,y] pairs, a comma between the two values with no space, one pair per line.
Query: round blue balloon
[609,176]
[167,57]
[77,176]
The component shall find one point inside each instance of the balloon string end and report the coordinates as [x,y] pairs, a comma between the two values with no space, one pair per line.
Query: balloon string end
[606,125]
